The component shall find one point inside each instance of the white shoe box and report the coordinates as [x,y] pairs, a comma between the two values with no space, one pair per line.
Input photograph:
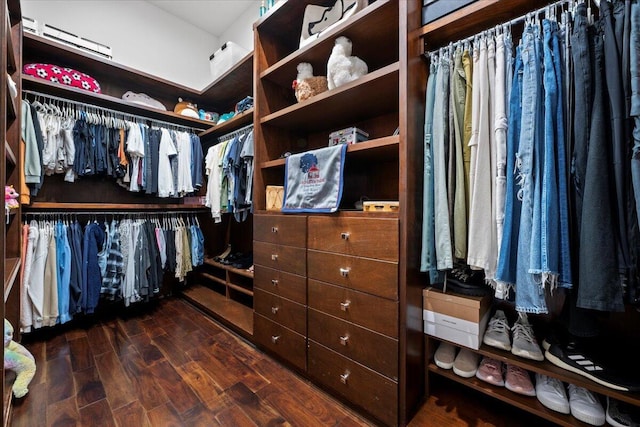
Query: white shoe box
[226,57]
[458,331]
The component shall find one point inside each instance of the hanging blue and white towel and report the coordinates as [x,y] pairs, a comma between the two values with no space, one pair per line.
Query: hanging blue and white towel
[313,180]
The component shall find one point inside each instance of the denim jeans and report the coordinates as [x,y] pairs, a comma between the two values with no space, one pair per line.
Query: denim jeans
[63,256]
[428,255]
[600,287]
[500,114]
[529,291]
[507,256]
[458,92]
[444,255]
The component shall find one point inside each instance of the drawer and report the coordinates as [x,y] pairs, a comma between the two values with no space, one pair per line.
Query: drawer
[369,311]
[281,310]
[366,237]
[285,258]
[372,349]
[364,274]
[375,393]
[281,229]
[287,344]
[280,283]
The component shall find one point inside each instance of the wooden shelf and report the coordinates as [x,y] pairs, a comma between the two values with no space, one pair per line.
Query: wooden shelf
[12,62]
[213,278]
[234,314]
[110,102]
[371,95]
[110,206]
[235,82]
[368,43]
[238,271]
[11,269]
[12,106]
[527,403]
[9,154]
[379,147]
[243,119]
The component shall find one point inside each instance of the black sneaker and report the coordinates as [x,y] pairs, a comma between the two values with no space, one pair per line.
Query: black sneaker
[620,414]
[465,281]
[574,359]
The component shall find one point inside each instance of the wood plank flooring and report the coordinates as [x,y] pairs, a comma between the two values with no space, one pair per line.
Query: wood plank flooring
[170,365]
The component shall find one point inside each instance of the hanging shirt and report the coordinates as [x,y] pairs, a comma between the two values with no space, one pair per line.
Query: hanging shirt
[166,153]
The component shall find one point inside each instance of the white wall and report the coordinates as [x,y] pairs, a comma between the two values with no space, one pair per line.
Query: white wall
[241,32]
[141,35]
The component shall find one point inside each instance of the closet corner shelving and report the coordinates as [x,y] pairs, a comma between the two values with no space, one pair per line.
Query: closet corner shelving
[11,234]
[465,22]
[222,291]
[298,258]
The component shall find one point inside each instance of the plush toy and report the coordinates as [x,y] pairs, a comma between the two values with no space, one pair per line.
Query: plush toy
[18,359]
[186,108]
[10,198]
[343,68]
[306,84]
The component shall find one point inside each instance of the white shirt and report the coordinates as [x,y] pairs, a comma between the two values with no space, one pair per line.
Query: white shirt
[165,176]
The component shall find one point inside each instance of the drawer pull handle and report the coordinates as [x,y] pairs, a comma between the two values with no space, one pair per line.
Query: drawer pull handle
[344,377]
[344,306]
[345,236]
[275,338]
[274,257]
[344,340]
[274,229]
[274,310]
[344,272]
[274,282]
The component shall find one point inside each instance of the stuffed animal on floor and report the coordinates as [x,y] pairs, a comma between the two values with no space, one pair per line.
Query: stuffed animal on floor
[306,84]
[343,68]
[19,360]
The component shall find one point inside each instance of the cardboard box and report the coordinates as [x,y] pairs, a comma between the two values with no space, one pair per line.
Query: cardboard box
[380,206]
[275,197]
[469,308]
[466,339]
[224,58]
[456,318]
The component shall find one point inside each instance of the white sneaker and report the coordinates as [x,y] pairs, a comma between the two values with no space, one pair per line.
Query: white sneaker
[551,393]
[524,342]
[445,355]
[585,406]
[466,363]
[497,333]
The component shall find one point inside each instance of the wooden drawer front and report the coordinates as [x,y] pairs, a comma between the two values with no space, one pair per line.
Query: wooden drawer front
[284,342]
[277,282]
[286,258]
[375,393]
[370,311]
[364,274]
[281,229]
[281,310]
[370,348]
[365,237]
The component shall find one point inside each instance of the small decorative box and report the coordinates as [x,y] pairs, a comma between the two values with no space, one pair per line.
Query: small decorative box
[347,136]
[275,196]
[380,206]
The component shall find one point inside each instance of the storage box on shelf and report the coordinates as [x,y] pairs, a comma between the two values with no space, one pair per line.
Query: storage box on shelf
[364,342]
[459,319]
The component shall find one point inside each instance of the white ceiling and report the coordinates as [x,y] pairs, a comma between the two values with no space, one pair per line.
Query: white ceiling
[212,16]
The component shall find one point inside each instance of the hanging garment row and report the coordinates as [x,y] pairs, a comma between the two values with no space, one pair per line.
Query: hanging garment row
[229,166]
[512,189]
[68,268]
[77,140]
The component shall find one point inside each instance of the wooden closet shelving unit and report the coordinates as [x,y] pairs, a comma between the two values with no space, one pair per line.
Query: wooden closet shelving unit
[463,23]
[10,131]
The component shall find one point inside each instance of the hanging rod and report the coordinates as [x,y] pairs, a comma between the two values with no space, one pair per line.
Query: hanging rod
[105,109]
[235,133]
[128,213]
[512,22]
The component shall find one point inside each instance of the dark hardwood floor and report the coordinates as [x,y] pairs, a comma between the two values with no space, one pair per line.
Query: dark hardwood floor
[170,365]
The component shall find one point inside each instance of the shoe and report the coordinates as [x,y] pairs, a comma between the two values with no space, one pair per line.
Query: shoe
[585,406]
[490,370]
[224,254]
[572,358]
[445,355]
[497,333]
[621,414]
[518,381]
[465,281]
[466,363]
[524,343]
[551,393]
